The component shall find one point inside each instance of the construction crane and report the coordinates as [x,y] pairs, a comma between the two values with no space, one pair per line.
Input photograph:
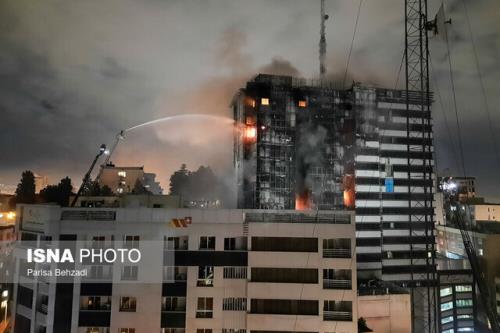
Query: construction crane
[322,42]
[86,178]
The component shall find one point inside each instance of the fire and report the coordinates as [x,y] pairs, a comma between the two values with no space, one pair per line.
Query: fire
[303,201]
[349,191]
[250,133]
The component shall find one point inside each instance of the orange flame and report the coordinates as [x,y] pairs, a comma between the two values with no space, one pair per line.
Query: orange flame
[303,201]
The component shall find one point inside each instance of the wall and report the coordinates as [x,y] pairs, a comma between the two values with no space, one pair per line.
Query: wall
[386,313]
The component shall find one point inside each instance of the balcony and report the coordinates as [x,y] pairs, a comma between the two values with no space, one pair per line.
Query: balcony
[337,284]
[336,253]
[337,316]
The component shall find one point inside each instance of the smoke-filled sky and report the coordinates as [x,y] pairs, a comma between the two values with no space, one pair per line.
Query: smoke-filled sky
[73,73]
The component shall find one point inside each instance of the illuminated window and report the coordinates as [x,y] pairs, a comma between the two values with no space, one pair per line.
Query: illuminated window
[302,104]
[122,173]
[464,302]
[127,330]
[446,306]
[446,320]
[128,304]
[445,291]
[463,288]
[264,101]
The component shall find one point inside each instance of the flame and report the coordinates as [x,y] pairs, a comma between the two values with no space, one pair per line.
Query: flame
[303,201]
[349,193]
[250,133]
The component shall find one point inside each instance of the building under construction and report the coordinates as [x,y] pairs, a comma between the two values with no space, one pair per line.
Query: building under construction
[306,144]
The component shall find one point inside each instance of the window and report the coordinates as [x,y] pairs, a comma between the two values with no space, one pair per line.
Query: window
[448,331]
[95,303]
[174,273]
[337,279]
[127,330]
[131,242]
[466,316]
[173,304]
[229,244]
[445,291]
[463,288]
[96,272]
[122,173]
[173,330]
[234,304]
[446,320]
[128,304]
[176,243]
[284,244]
[97,330]
[337,248]
[205,307]
[130,273]
[284,275]
[207,243]
[98,242]
[302,104]
[234,330]
[284,307]
[205,276]
[446,306]
[235,272]
[264,101]
[204,330]
[465,329]
[337,310]
[464,302]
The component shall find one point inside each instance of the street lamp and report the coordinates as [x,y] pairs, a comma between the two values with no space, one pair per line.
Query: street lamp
[5,302]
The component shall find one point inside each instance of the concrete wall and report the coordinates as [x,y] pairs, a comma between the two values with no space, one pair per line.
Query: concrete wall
[386,313]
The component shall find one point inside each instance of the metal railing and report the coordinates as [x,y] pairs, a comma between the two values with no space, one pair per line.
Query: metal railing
[336,253]
[337,315]
[298,218]
[84,215]
[337,284]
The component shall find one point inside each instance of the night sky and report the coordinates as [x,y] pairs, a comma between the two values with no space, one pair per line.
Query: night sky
[73,73]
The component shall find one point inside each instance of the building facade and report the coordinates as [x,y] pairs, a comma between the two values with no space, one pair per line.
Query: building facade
[211,271]
[308,145]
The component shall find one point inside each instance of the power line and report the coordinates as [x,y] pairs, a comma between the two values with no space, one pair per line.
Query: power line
[352,43]
[481,85]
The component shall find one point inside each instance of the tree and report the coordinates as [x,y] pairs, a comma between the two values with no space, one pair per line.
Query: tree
[139,188]
[179,181]
[25,191]
[59,193]
[362,327]
[106,191]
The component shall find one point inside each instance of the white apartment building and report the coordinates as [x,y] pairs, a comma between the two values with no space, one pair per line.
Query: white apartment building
[214,271]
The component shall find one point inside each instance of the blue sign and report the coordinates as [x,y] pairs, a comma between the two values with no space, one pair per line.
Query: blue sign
[389,185]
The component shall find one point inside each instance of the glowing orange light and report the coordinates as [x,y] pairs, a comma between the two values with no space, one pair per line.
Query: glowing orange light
[250,133]
[303,201]
[302,104]
[10,215]
[349,193]
[250,102]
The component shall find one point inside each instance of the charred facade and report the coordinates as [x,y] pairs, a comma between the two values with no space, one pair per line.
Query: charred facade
[302,144]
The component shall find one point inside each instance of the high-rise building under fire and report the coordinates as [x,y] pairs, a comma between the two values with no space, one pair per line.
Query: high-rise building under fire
[305,144]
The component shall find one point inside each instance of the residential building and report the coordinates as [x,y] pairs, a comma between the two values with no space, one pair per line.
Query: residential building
[41,182]
[122,180]
[203,271]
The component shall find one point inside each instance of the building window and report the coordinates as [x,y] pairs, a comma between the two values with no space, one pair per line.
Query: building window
[127,330]
[337,310]
[122,173]
[465,329]
[173,304]
[174,273]
[207,243]
[337,279]
[204,330]
[448,331]
[205,276]
[337,248]
[264,101]
[284,307]
[98,242]
[131,242]
[130,273]
[234,304]
[446,306]
[176,243]
[446,320]
[173,330]
[467,316]
[445,291]
[302,104]
[235,272]
[234,330]
[461,303]
[205,307]
[97,330]
[463,288]
[128,304]
[95,303]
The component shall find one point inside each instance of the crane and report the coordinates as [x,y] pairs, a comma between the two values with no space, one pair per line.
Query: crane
[322,42]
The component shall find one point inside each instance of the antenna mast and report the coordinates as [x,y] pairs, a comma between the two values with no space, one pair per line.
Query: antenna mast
[322,42]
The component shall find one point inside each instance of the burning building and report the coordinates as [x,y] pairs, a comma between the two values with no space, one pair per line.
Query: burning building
[303,144]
